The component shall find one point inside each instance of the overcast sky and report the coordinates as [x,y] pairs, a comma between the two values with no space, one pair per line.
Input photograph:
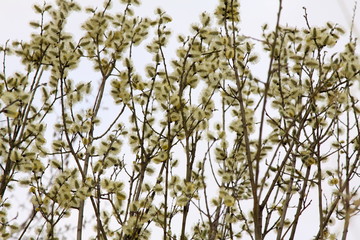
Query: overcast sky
[15,15]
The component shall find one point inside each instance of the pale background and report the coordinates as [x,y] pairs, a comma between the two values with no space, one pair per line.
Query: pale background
[15,15]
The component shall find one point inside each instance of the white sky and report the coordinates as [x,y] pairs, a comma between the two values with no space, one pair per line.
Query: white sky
[15,15]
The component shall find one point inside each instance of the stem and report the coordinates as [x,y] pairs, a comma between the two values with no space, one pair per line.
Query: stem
[301,201]
[286,203]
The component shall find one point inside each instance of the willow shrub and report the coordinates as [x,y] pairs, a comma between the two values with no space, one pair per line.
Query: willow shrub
[193,146]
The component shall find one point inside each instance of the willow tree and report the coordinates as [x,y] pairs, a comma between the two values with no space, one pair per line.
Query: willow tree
[194,146]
